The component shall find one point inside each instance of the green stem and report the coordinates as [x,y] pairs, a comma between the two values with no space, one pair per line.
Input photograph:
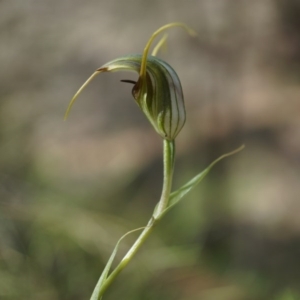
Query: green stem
[169,153]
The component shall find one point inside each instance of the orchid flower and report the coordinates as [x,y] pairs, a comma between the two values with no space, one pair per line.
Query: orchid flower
[157,91]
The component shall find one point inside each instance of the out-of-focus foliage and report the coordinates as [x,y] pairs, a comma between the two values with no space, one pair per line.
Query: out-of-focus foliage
[70,190]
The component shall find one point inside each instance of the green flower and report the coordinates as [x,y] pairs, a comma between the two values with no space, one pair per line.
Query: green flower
[157,91]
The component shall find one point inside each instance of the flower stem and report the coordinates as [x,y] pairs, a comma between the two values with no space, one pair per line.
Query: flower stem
[169,154]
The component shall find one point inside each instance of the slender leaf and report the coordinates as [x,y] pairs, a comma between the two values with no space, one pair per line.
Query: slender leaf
[103,277]
[176,196]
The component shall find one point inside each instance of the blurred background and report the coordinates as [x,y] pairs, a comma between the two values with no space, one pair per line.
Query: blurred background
[69,190]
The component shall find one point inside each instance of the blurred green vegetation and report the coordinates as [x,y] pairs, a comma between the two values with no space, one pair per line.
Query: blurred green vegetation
[70,190]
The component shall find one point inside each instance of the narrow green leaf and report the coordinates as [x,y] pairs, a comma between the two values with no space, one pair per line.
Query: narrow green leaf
[176,196]
[101,281]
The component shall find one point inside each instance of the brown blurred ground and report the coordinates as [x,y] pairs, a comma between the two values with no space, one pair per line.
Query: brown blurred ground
[69,190]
